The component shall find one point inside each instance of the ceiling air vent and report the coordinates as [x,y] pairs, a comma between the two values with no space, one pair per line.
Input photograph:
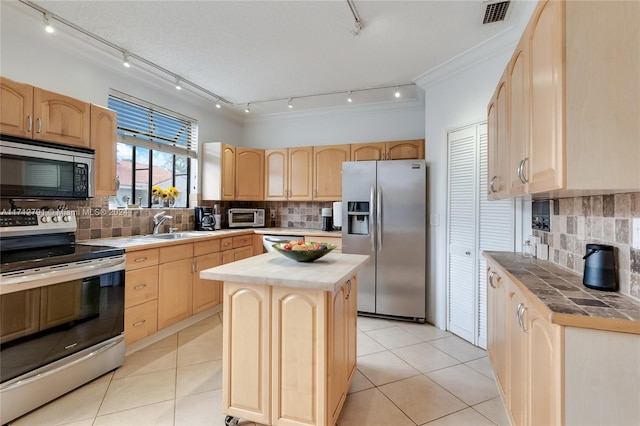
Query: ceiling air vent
[495,12]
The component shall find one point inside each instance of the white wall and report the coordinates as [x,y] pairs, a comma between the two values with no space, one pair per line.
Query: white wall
[352,124]
[66,64]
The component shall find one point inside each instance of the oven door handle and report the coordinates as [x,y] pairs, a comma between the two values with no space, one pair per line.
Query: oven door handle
[11,282]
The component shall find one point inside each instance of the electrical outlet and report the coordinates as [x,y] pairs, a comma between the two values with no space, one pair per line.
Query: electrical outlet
[273,214]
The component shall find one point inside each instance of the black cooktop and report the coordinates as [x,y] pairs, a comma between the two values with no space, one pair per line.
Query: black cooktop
[15,260]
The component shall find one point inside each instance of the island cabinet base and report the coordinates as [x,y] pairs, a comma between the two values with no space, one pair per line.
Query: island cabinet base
[289,354]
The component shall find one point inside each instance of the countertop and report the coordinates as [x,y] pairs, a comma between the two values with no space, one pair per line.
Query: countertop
[138,242]
[565,299]
[326,274]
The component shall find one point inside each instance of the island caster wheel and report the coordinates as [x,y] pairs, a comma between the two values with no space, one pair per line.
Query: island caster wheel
[231,421]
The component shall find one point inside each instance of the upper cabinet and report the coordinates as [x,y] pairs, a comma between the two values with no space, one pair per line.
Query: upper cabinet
[396,150]
[249,174]
[288,174]
[35,113]
[497,134]
[573,101]
[327,171]
[103,141]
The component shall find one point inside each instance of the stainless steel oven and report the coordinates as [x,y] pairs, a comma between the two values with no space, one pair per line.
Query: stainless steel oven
[61,310]
[33,169]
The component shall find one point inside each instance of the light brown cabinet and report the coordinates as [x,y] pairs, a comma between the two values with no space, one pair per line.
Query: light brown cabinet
[249,174]
[32,112]
[175,280]
[232,173]
[497,327]
[206,293]
[572,124]
[297,349]
[228,177]
[497,142]
[394,150]
[288,174]
[327,171]
[141,295]
[103,141]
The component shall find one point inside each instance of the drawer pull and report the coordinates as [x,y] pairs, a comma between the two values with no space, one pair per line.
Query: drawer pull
[226,244]
[348,289]
[71,346]
[491,275]
[140,287]
[140,259]
[139,323]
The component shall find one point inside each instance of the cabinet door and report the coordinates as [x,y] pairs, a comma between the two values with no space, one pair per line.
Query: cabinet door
[174,292]
[544,369]
[61,119]
[249,174]
[327,171]
[300,176]
[247,348]
[497,329]
[518,117]
[242,253]
[275,174]
[206,293]
[16,104]
[546,169]
[228,172]
[405,150]
[498,159]
[351,327]
[299,353]
[103,141]
[517,352]
[368,151]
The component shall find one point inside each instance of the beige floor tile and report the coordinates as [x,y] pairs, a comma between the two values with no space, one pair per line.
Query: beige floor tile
[359,383]
[371,408]
[494,410]
[201,409]
[167,342]
[196,353]
[198,333]
[424,357]
[465,383]
[160,414]
[366,345]
[425,332]
[458,348]
[481,365]
[393,337]
[466,417]
[147,361]
[422,399]
[368,324]
[86,422]
[198,378]
[384,367]
[80,404]
[137,391]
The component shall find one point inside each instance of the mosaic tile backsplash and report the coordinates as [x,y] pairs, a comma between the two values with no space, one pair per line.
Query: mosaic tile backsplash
[602,219]
[96,220]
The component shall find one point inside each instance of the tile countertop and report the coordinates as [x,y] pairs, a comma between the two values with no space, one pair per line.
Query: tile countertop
[326,274]
[567,301]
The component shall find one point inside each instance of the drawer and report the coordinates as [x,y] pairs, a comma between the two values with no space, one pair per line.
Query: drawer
[206,247]
[179,252]
[242,241]
[142,259]
[140,321]
[226,243]
[141,285]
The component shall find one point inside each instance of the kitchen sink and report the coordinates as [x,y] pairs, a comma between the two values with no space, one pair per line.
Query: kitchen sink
[174,236]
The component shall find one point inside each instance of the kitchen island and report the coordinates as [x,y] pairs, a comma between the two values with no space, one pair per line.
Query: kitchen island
[289,337]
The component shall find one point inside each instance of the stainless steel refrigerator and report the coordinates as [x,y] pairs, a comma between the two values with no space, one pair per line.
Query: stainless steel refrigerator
[384,215]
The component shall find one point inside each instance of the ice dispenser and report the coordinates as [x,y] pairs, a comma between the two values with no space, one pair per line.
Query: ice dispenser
[358,217]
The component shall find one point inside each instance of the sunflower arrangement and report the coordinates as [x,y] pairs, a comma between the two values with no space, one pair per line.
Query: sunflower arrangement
[169,195]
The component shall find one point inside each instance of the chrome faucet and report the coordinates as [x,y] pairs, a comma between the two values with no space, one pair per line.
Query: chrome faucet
[158,220]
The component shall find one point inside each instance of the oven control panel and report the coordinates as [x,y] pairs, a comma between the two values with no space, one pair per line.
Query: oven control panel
[27,222]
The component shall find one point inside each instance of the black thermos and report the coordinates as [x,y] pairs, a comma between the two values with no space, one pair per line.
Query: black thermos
[600,268]
[327,219]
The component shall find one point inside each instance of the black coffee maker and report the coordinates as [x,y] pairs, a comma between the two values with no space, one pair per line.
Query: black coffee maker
[327,219]
[600,268]
[204,220]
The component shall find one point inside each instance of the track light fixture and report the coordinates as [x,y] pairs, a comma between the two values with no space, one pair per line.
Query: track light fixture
[47,24]
[125,60]
[397,92]
[218,103]
[246,109]
[349,98]
[178,86]
[290,104]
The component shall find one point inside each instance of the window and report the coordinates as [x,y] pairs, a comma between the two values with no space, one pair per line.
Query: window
[155,147]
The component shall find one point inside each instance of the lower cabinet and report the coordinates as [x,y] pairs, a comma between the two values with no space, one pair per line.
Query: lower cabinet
[141,295]
[289,354]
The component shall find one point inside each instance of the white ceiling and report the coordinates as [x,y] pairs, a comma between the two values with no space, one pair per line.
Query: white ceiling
[252,51]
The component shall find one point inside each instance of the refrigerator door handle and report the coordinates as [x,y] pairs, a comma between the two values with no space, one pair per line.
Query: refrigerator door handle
[379,217]
[372,234]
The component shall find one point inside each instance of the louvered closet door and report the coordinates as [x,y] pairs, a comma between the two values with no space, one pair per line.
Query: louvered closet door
[461,232]
[496,233]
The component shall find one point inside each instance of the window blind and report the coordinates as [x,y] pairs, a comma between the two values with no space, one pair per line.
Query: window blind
[144,124]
